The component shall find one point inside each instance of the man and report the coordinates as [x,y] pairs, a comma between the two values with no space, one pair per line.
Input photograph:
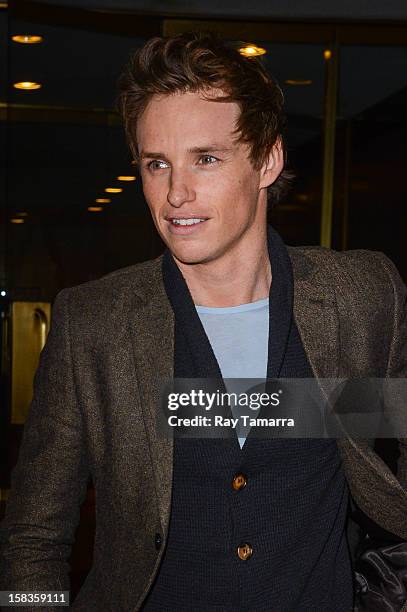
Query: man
[210,524]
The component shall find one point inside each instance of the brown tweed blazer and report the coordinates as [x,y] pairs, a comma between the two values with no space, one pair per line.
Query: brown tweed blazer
[93,413]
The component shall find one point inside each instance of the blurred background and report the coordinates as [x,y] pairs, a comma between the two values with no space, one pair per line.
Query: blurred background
[72,207]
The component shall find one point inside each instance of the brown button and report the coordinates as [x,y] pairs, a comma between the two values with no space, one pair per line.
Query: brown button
[244,551]
[239,482]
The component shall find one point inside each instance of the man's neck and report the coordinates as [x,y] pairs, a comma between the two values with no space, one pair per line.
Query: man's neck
[234,280]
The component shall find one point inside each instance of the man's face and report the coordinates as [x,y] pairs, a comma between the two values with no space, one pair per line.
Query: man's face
[191,168]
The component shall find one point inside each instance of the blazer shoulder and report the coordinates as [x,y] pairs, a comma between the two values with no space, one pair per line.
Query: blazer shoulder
[95,307]
[138,279]
[362,268]
[322,256]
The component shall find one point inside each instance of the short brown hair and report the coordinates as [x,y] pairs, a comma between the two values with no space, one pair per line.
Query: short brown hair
[197,62]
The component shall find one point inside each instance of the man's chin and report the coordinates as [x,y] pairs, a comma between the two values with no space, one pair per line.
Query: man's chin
[190,257]
[189,260]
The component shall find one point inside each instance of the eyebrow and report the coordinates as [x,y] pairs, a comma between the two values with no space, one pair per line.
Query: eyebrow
[205,149]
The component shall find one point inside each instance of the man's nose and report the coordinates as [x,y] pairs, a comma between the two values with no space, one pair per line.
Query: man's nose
[180,190]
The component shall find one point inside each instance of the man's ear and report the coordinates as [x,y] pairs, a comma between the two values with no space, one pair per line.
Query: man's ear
[273,165]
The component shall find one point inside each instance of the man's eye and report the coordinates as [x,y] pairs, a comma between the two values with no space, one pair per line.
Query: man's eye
[209,157]
[160,165]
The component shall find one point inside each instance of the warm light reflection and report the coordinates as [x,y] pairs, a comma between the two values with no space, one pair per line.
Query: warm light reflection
[27,39]
[95,208]
[298,81]
[103,200]
[27,85]
[126,178]
[252,51]
[327,54]
[3,5]
[113,189]
[17,221]
[22,214]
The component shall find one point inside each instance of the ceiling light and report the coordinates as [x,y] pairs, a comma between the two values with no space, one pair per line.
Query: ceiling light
[17,221]
[126,178]
[27,85]
[113,189]
[27,39]
[327,54]
[3,5]
[298,81]
[252,51]
[95,208]
[103,200]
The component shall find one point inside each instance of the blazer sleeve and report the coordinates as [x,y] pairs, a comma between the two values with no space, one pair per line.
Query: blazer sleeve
[49,481]
[381,557]
[397,360]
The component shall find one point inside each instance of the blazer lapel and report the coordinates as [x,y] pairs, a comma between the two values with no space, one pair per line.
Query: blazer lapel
[152,333]
[316,316]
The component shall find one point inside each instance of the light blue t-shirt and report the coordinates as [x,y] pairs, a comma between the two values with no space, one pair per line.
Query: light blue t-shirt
[239,339]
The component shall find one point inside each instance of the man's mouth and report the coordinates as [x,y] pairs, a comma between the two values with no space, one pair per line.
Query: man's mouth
[187,220]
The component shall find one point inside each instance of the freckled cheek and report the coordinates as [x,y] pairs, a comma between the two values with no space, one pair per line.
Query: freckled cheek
[220,187]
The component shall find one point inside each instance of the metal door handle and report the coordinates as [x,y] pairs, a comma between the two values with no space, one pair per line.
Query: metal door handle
[40,315]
